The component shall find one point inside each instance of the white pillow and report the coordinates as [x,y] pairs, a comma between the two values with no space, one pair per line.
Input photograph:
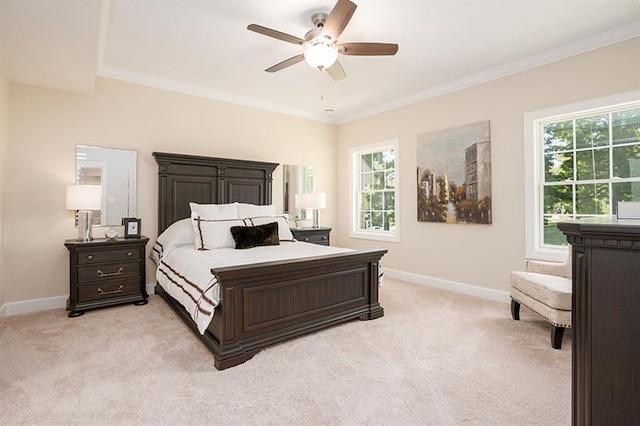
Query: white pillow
[253,210]
[284,233]
[178,233]
[214,211]
[214,234]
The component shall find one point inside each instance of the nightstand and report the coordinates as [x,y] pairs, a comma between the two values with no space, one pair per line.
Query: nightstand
[318,236]
[105,272]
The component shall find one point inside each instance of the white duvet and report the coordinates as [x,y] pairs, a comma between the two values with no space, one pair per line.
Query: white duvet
[185,273]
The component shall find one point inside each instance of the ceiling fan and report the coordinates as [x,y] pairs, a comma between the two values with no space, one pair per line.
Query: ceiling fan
[321,43]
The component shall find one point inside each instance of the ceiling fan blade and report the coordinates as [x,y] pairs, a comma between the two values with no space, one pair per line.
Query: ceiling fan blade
[275,34]
[336,72]
[368,49]
[286,63]
[338,18]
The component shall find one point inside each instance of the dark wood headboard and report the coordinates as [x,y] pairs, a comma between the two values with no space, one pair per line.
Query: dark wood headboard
[207,180]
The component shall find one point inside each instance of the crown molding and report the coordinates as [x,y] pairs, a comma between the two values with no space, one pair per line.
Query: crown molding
[562,52]
[203,92]
[565,51]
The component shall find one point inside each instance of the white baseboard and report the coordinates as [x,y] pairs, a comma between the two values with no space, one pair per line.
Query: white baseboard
[33,305]
[36,305]
[471,290]
[151,288]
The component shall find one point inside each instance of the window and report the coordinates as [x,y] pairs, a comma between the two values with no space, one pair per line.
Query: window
[374,212]
[586,158]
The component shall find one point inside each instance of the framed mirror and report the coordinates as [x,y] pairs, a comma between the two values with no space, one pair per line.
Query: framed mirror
[116,171]
[297,179]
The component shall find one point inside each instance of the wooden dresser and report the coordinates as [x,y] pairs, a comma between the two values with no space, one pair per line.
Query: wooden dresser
[312,235]
[106,272]
[606,321]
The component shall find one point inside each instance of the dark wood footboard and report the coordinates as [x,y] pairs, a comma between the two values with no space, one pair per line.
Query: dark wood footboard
[266,303]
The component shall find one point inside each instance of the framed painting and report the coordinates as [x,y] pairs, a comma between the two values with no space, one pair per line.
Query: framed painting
[454,174]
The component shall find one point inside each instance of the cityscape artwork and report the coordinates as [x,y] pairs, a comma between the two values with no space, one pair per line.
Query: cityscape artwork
[454,175]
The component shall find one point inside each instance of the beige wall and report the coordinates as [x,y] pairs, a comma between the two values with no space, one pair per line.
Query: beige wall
[481,255]
[46,125]
[4,124]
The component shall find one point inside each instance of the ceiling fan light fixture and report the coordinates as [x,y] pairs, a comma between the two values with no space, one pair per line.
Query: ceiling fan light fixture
[321,54]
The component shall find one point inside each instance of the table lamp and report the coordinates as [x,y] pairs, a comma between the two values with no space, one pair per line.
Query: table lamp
[314,201]
[84,199]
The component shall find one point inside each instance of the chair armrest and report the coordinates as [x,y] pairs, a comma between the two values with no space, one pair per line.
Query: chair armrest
[549,268]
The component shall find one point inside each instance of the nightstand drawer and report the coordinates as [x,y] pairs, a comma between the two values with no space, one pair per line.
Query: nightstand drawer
[108,289]
[108,271]
[318,236]
[100,256]
[321,239]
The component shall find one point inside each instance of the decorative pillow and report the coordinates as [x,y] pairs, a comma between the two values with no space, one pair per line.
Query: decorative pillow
[214,211]
[284,232]
[253,210]
[254,236]
[214,234]
[179,233]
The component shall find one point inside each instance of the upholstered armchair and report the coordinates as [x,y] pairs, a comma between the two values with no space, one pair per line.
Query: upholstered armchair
[544,288]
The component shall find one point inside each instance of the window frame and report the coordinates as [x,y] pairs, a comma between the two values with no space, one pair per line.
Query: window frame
[355,154]
[534,164]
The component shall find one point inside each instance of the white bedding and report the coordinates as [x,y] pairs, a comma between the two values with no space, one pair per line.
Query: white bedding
[185,273]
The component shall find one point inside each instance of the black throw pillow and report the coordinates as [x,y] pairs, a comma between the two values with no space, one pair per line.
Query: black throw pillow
[254,236]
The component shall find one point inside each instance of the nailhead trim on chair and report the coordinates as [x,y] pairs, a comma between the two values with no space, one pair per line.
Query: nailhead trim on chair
[541,316]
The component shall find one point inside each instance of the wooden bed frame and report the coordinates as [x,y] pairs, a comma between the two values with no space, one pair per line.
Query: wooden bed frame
[264,303]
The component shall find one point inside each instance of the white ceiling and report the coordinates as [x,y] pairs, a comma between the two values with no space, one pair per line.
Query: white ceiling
[203,47]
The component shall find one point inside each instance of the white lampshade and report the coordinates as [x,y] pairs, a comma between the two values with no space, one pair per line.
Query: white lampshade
[320,55]
[311,200]
[84,197]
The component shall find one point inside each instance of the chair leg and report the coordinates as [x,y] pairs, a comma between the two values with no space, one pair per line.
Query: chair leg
[556,337]
[515,310]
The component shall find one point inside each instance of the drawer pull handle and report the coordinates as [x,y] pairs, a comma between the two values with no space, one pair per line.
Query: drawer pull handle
[101,292]
[110,274]
[90,257]
[129,254]
[324,238]
[306,239]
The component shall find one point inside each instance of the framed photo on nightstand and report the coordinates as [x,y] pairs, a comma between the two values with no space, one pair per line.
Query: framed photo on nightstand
[132,227]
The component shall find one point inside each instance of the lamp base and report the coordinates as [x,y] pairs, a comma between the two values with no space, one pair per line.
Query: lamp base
[316,218]
[85,217]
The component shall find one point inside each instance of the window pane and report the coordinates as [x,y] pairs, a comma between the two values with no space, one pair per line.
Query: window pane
[592,164]
[552,234]
[558,167]
[390,180]
[365,220]
[592,198]
[626,126]
[626,161]
[366,201]
[366,163]
[367,181]
[389,159]
[389,200]
[558,199]
[558,136]
[378,180]
[376,220]
[377,162]
[624,191]
[376,201]
[592,131]
[389,221]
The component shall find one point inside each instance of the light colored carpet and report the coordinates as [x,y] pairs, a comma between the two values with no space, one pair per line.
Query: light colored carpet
[435,358]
